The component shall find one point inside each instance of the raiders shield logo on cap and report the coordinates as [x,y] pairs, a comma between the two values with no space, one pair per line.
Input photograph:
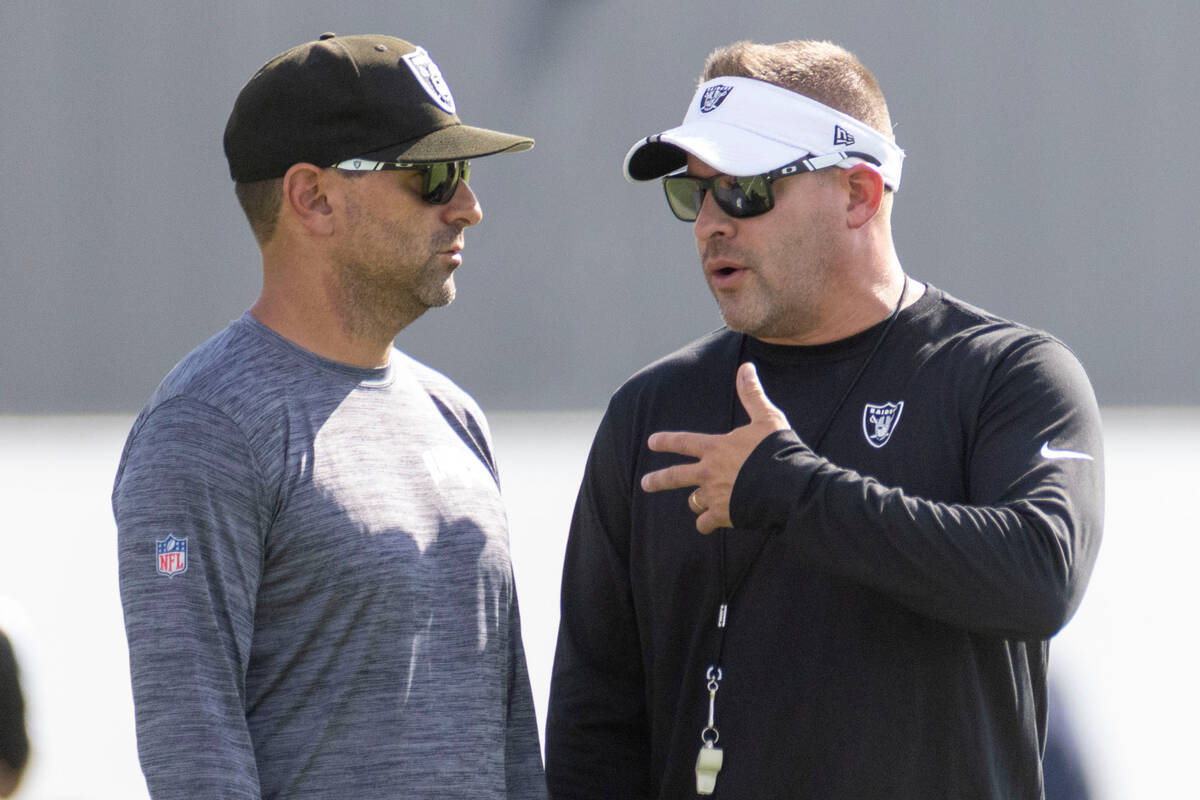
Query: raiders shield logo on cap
[430,78]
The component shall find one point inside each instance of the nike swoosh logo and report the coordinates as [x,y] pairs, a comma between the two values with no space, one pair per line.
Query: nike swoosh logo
[1050,452]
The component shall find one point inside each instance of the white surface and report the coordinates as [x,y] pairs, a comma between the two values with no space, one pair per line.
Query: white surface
[1128,659]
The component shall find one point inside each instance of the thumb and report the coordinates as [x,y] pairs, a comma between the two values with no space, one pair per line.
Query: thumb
[754,397]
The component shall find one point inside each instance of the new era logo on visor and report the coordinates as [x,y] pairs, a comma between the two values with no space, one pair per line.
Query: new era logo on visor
[430,78]
[841,136]
[713,97]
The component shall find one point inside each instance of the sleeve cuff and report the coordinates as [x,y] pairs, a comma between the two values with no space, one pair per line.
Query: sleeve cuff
[774,477]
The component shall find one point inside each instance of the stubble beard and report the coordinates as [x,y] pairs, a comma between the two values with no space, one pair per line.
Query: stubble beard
[378,286]
[765,311]
[780,296]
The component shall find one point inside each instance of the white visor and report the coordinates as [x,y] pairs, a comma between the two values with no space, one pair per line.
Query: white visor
[744,126]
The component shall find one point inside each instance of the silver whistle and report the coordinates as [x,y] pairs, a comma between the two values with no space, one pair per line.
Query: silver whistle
[708,764]
[710,757]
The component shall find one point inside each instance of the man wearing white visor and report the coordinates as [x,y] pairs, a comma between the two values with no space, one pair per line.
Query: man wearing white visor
[819,552]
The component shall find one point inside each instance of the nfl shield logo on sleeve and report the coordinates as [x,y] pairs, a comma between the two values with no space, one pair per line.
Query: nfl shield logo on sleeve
[879,422]
[172,555]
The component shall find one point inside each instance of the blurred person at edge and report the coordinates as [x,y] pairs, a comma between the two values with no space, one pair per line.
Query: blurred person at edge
[314,559]
[14,740]
[821,551]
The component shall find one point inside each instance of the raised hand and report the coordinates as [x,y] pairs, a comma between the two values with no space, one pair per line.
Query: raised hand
[719,456]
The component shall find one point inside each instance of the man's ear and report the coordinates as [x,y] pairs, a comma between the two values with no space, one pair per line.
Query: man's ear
[306,200]
[865,194]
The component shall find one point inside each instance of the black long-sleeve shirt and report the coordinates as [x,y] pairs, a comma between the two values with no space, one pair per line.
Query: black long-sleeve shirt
[893,593]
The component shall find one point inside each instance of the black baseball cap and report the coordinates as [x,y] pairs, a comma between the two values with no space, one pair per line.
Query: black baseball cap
[341,97]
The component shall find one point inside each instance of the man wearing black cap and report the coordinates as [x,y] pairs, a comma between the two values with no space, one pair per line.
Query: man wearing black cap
[313,548]
[892,545]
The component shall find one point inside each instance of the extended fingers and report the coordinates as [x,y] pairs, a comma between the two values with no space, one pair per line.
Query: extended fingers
[676,477]
[680,475]
[683,443]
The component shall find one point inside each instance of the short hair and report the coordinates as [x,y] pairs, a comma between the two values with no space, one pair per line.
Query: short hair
[260,200]
[824,71]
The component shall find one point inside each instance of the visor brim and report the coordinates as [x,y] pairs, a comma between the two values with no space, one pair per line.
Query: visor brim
[725,148]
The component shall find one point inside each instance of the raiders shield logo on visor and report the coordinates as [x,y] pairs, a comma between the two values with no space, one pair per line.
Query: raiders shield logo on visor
[713,97]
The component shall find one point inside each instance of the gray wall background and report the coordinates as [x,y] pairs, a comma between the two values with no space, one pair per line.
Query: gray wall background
[1050,178]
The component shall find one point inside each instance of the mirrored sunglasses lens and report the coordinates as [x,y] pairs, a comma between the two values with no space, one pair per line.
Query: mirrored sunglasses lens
[441,181]
[684,195]
[743,197]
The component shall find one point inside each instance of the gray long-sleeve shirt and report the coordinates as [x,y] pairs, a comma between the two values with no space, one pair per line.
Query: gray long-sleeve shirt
[316,582]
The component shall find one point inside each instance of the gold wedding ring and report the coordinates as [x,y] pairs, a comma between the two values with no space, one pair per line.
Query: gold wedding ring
[694,504]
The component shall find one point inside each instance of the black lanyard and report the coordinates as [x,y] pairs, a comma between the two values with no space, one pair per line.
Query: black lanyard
[728,592]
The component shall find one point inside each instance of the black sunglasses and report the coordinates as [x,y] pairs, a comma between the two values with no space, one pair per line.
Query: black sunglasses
[439,180]
[741,196]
